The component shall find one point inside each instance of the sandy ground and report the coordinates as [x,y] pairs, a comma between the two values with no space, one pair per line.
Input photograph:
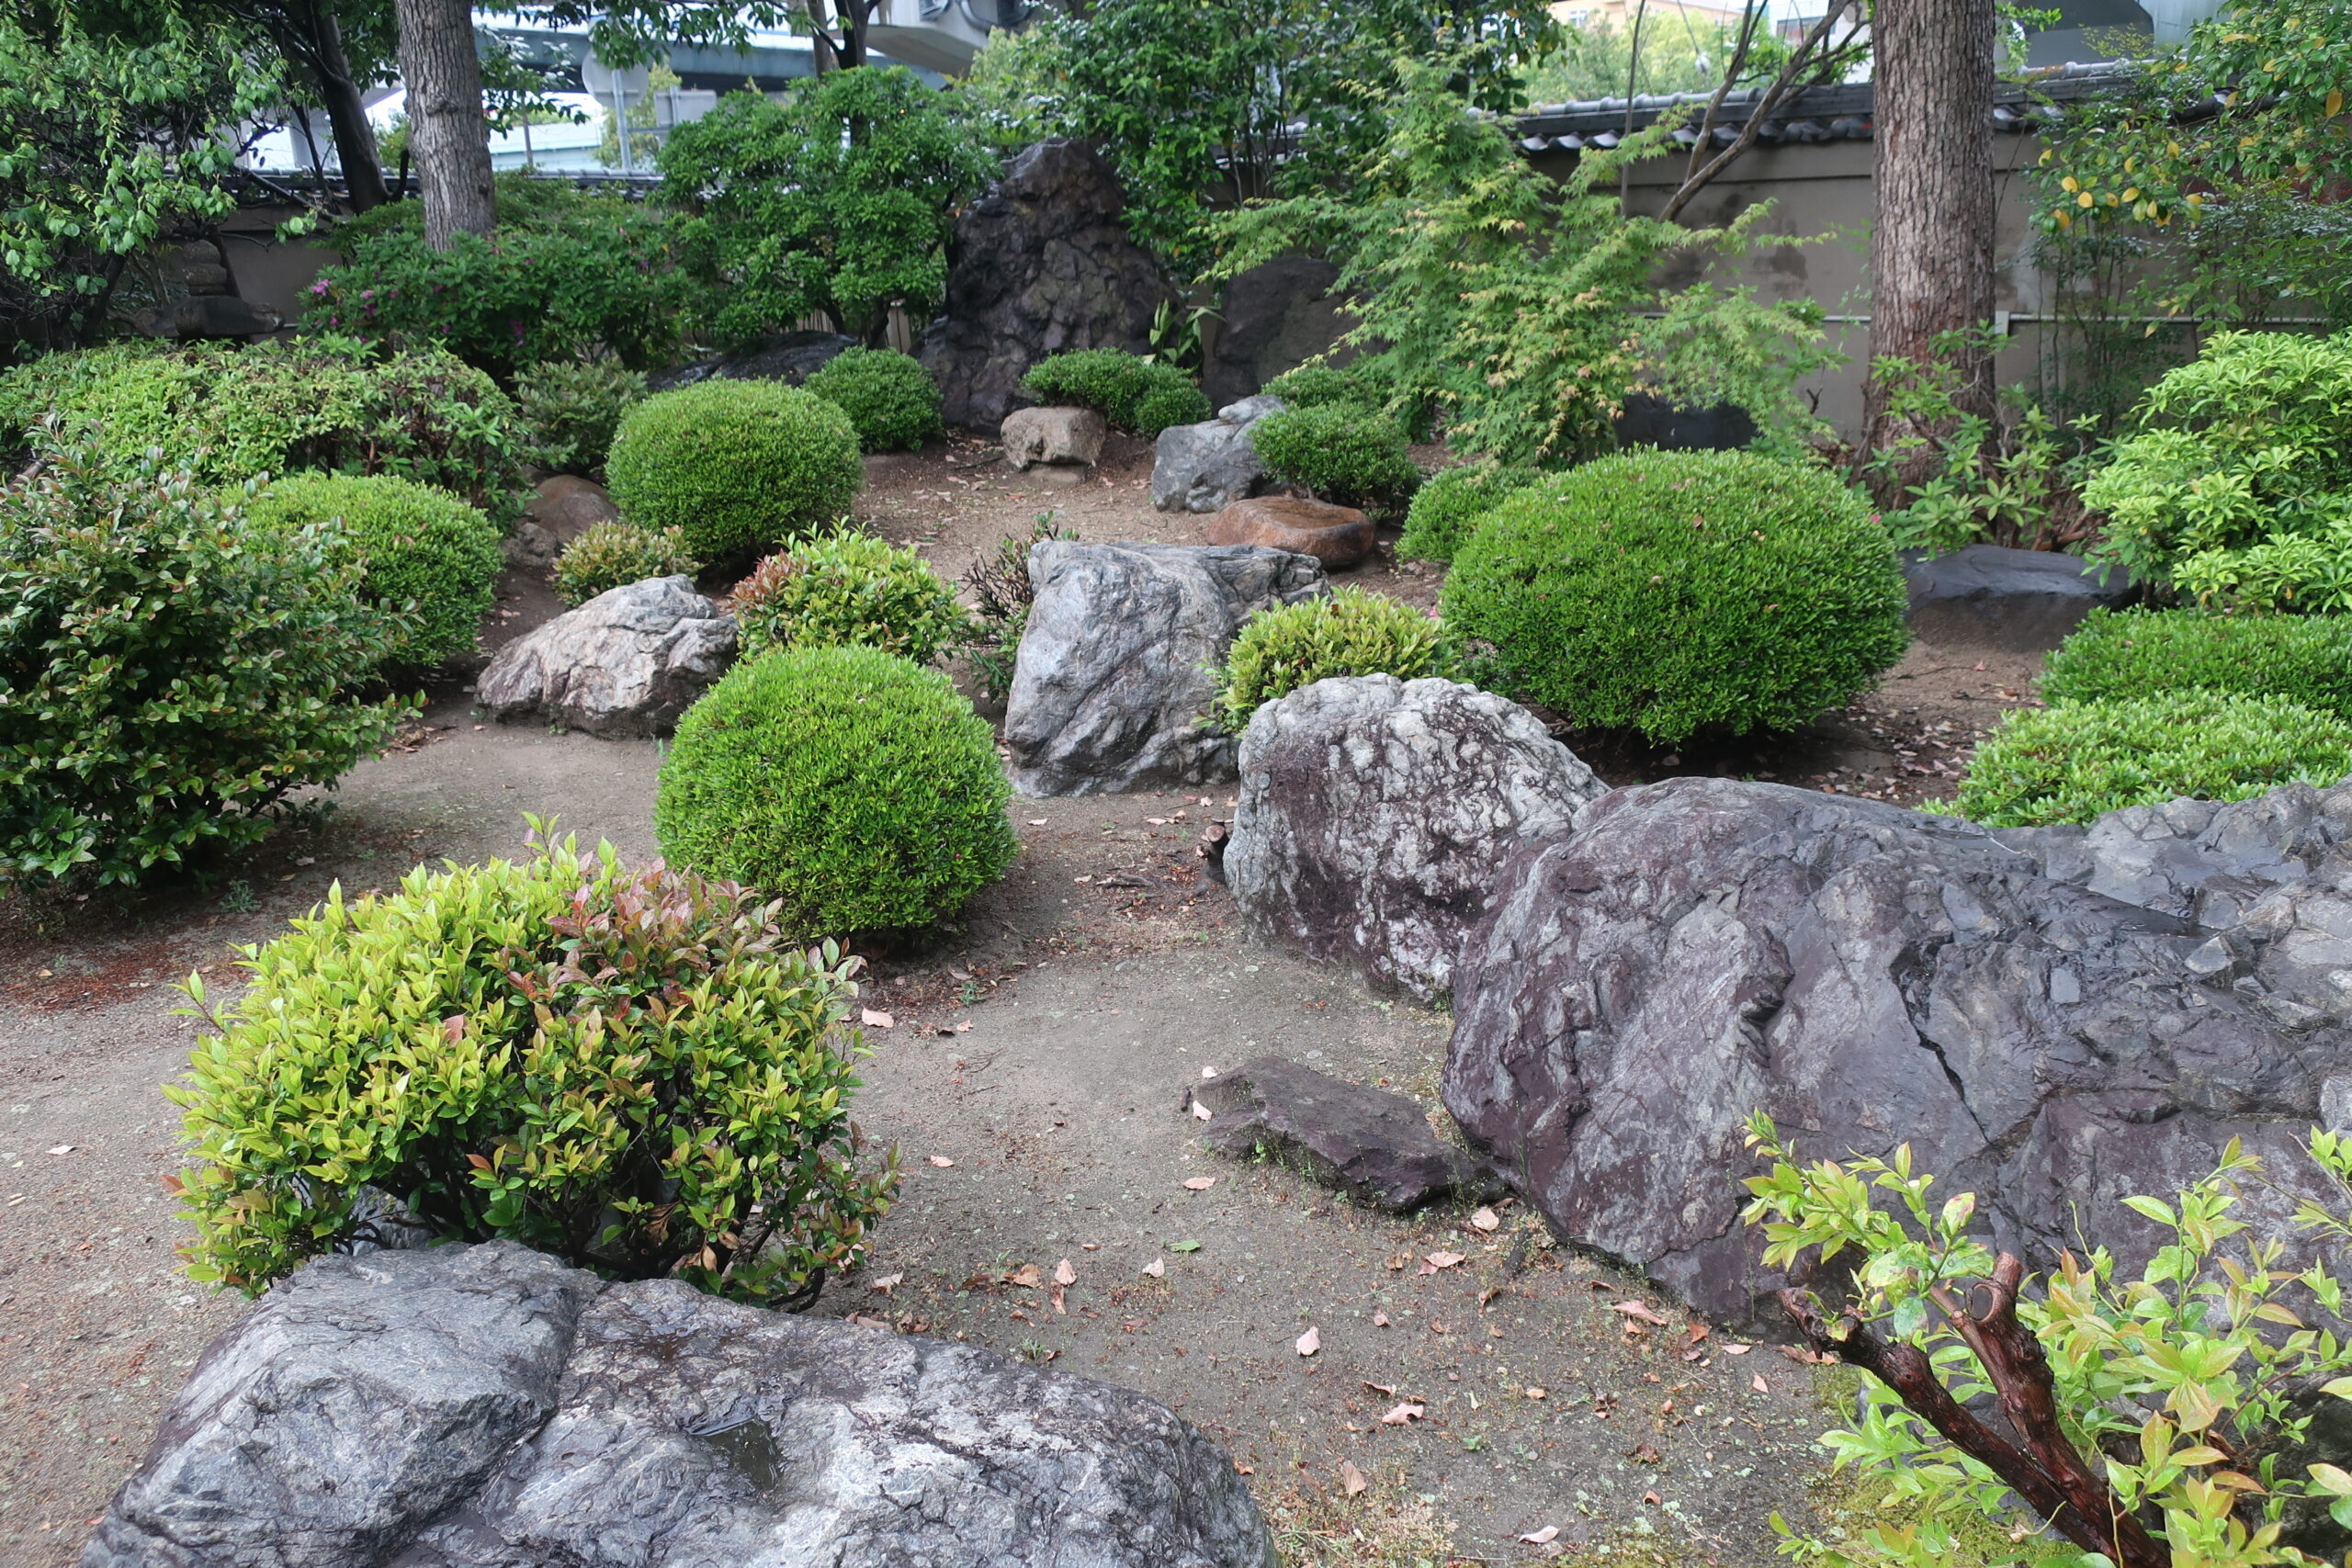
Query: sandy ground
[1043,1046]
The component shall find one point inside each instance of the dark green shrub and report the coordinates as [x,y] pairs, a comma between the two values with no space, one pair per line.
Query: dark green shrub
[736,465]
[614,555]
[1448,507]
[227,414]
[1002,595]
[632,1070]
[1136,394]
[1343,452]
[848,587]
[421,551]
[1345,632]
[890,399]
[1323,386]
[1672,591]
[2070,762]
[2143,653]
[854,787]
[569,410]
[171,674]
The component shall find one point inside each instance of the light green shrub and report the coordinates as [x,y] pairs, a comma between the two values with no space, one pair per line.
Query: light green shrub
[1345,632]
[848,587]
[1448,507]
[890,399]
[1134,393]
[2070,762]
[1676,592]
[1342,452]
[855,788]
[2145,653]
[421,551]
[737,466]
[613,555]
[635,1071]
[572,409]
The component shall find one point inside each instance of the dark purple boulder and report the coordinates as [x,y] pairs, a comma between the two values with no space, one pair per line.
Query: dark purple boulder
[1373,1145]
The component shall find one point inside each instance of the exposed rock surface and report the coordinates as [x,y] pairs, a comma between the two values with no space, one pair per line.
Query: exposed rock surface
[1373,1145]
[627,662]
[487,1407]
[1054,435]
[789,357]
[2023,601]
[1648,420]
[1113,671]
[1278,315]
[2053,1017]
[565,507]
[1375,816]
[1336,536]
[1209,466]
[1038,264]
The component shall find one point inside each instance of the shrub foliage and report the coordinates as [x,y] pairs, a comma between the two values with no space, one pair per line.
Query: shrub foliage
[2144,653]
[569,410]
[170,676]
[847,587]
[890,399]
[631,1070]
[1672,591]
[735,466]
[1134,393]
[1342,452]
[1345,632]
[855,788]
[614,555]
[1449,506]
[1002,595]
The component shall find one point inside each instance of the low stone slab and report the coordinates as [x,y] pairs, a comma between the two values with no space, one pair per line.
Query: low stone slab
[487,1407]
[1061,437]
[1336,536]
[627,662]
[2019,601]
[1373,1145]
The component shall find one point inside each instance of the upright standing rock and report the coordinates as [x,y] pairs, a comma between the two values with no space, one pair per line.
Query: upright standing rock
[1041,263]
[1278,315]
[1115,670]
[1376,815]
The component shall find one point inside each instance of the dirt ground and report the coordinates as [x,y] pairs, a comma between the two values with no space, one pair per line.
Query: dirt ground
[1032,1079]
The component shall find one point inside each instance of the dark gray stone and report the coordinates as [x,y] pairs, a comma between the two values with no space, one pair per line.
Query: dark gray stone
[1278,315]
[1373,1145]
[2052,1019]
[563,507]
[486,1407]
[218,316]
[1114,670]
[1648,420]
[1038,264]
[627,662]
[1375,816]
[2021,601]
[790,357]
[1209,466]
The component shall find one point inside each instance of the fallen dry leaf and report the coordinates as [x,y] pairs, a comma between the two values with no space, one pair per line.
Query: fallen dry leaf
[1535,1394]
[874,1018]
[1542,1536]
[1644,1453]
[1487,1219]
[1759,1384]
[887,1283]
[1058,1301]
[1400,1261]
[1199,1183]
[1388,1388]
[1064,1273]
[1310,1341]
[1036,821]
[64,1149]
[1027,1277]
[1203,1112]
[1651,1498]
[1442,1260]
[1641,1310]
[943,1162]
[1405,1414]
[1733,1347]
[862,1321]
[1380,1320]
[1351,1479]
[1241,1469]
[1156,1267]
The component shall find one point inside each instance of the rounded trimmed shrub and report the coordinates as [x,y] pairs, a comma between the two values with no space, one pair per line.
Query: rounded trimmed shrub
[570,410]
[855,788]
[736,465]
[172,673]
[424,554]
[1448,507]
[1134,393]
[613,555]
[1323,386]
[848,587]
[1343,452]
[635,1071]
[2142,653]
[891,400]
[1676,592]
[1345,632]
[2070,762]
[1163,407]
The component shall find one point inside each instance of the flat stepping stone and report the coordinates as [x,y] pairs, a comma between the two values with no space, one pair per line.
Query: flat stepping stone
[1373,1146]
[1336,536]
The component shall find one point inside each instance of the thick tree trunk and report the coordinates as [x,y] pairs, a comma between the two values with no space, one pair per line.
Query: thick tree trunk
[1931,251]
[354,139]
[445,117]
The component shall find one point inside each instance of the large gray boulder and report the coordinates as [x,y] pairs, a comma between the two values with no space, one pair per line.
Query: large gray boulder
[1114,669]
[2053,1018]
[627,662]
[1038,264]
[1375,816]
[1209,466]
[487,1407]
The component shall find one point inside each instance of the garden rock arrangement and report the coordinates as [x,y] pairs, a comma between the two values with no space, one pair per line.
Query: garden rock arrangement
[1336,536]
[1373,1145]
[1277,316]
[1208,466]
[1375,815]
[1040,266]
[2024,601]
[627,662]
[1115,666]
[2053,1017]
[1070,437]
[481,1406]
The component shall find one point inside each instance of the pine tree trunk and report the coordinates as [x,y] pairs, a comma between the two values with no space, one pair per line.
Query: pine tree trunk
[445,116]
[354,139]
[1931,251]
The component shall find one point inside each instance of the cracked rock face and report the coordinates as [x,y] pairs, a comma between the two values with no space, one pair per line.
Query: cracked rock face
[488,1407]
[2053,1017]
[627,662]
[1375,816]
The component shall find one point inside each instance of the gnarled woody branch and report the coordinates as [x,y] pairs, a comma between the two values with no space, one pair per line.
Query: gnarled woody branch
[2043,1467]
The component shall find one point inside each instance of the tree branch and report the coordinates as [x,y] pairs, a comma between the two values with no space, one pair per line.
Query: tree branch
[1765,107]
